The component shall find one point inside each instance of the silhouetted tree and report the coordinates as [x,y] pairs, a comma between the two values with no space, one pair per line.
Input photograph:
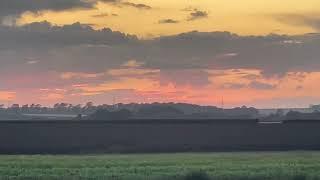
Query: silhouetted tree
[159,111]
[103,114]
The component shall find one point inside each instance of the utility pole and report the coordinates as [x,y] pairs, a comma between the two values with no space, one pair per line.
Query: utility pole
[9,103]
[222,102]
[114,103]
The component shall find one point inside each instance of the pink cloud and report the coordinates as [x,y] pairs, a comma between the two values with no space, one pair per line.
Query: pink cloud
[237,87]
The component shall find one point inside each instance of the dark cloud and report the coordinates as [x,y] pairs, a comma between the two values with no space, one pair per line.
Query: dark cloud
[10,10]
[197,14]
[261,86]
[17,7]
[273,54]
[168,21]
[126,3]
[139,6]
[44,34]
[44,47]
[253,85]
[59,48]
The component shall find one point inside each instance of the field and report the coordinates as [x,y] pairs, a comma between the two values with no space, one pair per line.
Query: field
[245,165]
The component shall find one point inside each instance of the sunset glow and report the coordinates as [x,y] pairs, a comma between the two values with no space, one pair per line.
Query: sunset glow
[254,53]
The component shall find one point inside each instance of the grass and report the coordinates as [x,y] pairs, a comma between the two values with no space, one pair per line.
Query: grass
[184,166]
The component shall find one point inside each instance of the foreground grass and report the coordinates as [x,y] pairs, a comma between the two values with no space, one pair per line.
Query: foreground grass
[188,166]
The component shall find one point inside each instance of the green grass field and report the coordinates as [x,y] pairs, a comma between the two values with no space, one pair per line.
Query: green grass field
[260,165]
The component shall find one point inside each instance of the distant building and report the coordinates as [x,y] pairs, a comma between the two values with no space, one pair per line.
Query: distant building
[79,117]
[267,112]
[315,107]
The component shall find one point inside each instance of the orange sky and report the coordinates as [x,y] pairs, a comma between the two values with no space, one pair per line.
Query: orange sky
[137,80]
[228,15]
[151,89]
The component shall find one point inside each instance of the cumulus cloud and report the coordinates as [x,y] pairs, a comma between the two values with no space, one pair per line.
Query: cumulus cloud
[80,48]
[40,34]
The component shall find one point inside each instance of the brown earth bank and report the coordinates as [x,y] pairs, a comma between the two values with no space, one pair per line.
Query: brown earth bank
[155,136]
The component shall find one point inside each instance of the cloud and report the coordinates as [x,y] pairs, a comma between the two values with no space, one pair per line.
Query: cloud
[138,6]
[261,85]
[54,97]
[133,73]
[40,58]
[43,34]
[32,62]
[15,8]
[188,9]
[10,10]
[233,86]
[80,48]
[72,75]
[103,15]
[133,64]
[197,14]
[168,21]
[129,4]
[311,20]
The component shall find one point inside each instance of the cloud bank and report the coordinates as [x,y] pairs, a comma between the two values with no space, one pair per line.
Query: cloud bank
[75,60]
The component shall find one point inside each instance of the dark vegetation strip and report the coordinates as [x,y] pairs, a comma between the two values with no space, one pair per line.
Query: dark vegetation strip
[135,121]
[141,136]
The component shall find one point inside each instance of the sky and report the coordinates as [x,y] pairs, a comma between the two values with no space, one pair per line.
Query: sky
[256,53]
